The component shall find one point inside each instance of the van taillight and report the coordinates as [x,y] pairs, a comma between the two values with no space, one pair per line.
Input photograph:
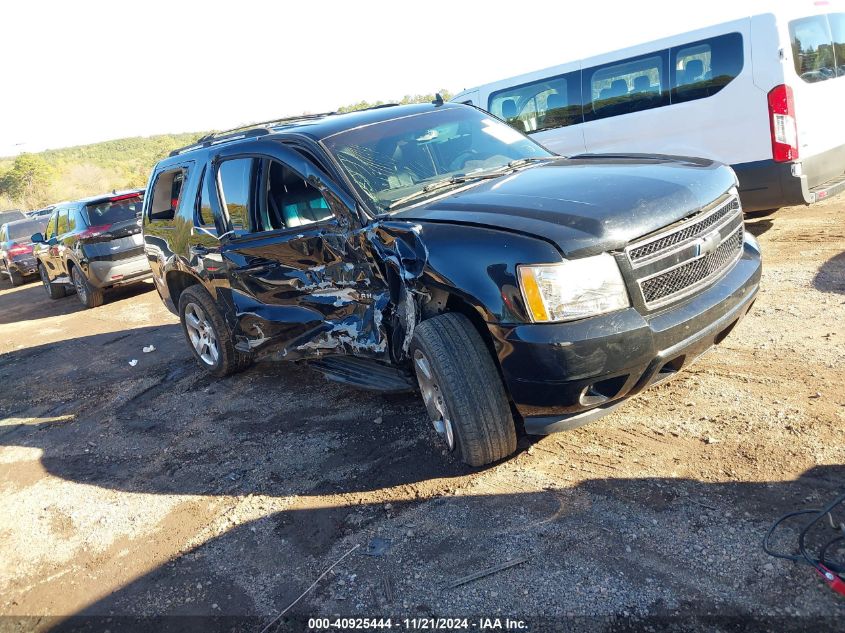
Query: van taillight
[782,121]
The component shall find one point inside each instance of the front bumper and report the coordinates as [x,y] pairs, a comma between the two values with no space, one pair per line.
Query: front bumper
[563,375]
[120,272]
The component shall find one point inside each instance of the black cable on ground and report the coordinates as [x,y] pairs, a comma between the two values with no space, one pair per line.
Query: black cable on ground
[832,571]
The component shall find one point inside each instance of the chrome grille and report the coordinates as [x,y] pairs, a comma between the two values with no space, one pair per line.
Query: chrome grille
[698,227]
[656,289]
[683,258]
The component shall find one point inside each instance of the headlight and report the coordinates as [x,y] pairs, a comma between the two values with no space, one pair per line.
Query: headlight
[573,289]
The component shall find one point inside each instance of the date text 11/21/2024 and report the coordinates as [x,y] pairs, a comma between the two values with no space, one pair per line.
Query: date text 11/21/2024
[418,624]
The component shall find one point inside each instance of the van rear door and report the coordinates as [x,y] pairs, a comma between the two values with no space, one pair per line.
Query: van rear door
[815,70]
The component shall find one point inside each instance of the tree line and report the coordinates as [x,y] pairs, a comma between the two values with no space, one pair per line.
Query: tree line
[34,180]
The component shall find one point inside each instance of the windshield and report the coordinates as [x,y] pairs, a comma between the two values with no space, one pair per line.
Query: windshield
[114,211]
[393,161]
[24,230]
[11,216]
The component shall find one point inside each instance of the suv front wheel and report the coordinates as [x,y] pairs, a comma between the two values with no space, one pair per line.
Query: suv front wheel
[462,389]
[208,335]
[54,291]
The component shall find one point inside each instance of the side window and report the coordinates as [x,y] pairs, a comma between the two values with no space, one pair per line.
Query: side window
[166,194]
[50,231]
[235,185]
[540,105]
[204,212]
[71,219]
[703,68]
[3,237]
[817,46]
[627,86]
[288,201]
[63,224]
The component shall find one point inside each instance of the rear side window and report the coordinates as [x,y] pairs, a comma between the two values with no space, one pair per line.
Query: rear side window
[235,179]
[167,193]
[818,46]
[540,105]
[628,86]
[703,68]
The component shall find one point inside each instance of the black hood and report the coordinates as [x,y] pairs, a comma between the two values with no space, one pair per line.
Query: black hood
[586,204]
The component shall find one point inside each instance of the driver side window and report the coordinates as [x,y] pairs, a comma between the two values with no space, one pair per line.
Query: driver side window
[287,200]
[50,231]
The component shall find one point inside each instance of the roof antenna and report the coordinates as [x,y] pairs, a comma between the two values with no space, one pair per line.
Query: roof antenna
[438,100]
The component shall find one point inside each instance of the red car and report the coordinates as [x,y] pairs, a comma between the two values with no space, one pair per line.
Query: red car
[16,258]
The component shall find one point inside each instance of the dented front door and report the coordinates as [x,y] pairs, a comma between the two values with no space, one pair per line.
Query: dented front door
[304,290]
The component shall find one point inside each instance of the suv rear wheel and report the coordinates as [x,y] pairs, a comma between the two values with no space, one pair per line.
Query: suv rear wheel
[462,389]
[89,296]
[54,291]
[208,335]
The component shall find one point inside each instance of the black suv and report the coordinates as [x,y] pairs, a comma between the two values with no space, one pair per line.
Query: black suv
[92,245]
[433,246]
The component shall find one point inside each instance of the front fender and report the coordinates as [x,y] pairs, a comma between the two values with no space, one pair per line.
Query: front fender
[479,265]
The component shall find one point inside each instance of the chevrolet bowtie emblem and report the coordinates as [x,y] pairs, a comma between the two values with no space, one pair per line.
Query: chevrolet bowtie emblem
[707,244]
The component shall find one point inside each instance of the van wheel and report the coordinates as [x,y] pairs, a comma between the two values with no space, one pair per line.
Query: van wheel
[462,389]
[89,296]
[208,335]
[54,291]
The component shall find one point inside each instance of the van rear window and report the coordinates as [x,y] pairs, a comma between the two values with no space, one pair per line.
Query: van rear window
[818,46]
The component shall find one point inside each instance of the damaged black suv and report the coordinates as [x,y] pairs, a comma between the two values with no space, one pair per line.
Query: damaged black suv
[434,247]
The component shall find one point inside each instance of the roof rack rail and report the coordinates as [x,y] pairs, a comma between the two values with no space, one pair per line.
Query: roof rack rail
[244,131]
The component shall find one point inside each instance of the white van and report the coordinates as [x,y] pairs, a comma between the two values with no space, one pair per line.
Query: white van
[764,94]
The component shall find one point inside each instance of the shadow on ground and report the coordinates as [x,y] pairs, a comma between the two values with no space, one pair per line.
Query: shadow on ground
[603,533]
[831,275]
[30,301]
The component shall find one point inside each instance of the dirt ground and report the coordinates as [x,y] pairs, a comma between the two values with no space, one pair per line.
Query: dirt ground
[154,490]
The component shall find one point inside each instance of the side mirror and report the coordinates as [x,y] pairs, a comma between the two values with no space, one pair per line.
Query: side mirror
[37,238]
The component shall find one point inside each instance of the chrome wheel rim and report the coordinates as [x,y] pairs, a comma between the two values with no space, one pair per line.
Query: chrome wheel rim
[433,398]
[201,334]
[79,284]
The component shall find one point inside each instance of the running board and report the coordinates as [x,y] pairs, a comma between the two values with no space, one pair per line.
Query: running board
[364,374]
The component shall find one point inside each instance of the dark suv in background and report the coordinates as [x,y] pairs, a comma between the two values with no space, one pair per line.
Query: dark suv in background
[92,245]
[433,246]
[16,258]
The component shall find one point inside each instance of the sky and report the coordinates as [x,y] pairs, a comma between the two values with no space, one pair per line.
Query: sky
[86,71]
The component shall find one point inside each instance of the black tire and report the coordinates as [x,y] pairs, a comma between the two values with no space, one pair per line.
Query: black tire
[54,291]
[15,276]
[471,388]
[88,295]
[228,360]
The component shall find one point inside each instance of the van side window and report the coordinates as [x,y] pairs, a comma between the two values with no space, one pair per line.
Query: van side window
[235,184]
[287,200]
[628,86]
[540,105]
[818,46]
[703,68]
[204,213]
[167,192]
